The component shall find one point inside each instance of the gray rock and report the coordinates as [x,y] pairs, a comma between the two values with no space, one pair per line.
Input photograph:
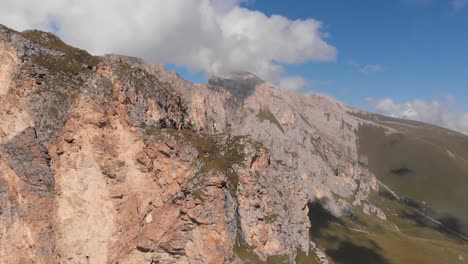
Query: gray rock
[321,256]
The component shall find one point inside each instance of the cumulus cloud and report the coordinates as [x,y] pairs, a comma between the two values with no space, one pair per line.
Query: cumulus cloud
[214,36]
[460,4]
[293,83]
[435,112]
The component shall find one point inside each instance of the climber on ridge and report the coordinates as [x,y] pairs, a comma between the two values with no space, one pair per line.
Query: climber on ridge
[189,123]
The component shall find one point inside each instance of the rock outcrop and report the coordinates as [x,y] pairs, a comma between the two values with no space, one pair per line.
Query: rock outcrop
[94,168]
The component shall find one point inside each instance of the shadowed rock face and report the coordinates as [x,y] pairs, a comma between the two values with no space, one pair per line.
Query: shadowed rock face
[240,84]
[93,171]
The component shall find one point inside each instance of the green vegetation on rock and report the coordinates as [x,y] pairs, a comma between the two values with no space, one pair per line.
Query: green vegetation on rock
[271,218]
[214,154]
[302,258]
[73,61]
[247,254]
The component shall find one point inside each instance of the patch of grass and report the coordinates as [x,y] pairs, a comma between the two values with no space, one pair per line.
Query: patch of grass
[209,149]
[56,64]
[266,115]
[271,218]
[47,39]
[69,63]
[233,180]
[6,29]
[151,130]
[247,254]
[302,258]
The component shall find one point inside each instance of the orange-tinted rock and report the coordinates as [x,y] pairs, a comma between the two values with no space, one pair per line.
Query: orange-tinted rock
[87,175]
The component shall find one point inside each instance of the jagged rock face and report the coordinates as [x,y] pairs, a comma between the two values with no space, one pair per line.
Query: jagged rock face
[93,167]
[88,175]
[313,144]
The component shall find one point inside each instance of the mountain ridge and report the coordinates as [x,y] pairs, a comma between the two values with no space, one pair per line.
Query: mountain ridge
[84,155]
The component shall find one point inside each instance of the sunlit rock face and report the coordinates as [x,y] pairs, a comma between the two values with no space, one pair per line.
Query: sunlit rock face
[97,167]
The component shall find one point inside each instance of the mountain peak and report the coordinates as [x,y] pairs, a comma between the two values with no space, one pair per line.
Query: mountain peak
[240,84]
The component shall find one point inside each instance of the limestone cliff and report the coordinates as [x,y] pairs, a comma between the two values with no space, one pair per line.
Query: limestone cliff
[94,168]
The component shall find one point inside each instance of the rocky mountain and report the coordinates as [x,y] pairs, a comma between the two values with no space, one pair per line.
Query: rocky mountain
[97,167]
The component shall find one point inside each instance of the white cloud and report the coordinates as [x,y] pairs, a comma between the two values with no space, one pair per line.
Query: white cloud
[293,83]
[215,36]
[460,4]
[435,112]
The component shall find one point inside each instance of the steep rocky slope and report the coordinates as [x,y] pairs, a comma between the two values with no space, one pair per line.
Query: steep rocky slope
[93,168]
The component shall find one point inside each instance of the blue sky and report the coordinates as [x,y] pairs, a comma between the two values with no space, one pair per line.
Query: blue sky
[413,48]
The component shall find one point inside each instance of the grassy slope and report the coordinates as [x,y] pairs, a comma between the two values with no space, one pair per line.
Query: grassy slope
[73,59]
[421,162]
[367,240]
